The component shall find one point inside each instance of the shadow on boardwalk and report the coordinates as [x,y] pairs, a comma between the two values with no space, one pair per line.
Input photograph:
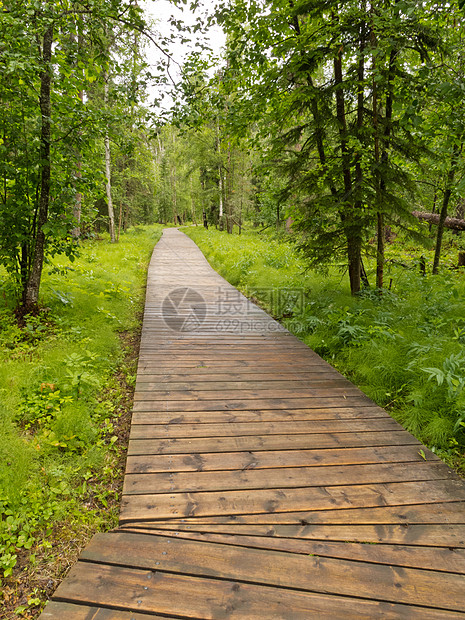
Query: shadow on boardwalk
[260,483]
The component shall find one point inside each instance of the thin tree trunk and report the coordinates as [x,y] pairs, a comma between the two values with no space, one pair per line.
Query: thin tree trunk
[120,217]
[352,228]
[194,219]
[126,216]
[220,188]
[31,293]
[111,214]
[77,207]
[445,203]
[220,177]
[380,251]
[379,215]
[360,118]
[228,193]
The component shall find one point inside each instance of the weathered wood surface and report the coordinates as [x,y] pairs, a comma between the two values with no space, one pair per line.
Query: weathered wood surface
[260,483]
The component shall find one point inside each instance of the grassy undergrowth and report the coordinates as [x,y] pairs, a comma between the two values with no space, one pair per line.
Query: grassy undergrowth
[404,349]
[61,393]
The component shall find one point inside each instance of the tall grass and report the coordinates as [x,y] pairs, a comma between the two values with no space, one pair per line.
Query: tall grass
[56,417]
[404,349]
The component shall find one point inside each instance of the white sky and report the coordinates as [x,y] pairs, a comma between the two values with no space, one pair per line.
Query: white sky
[161,10]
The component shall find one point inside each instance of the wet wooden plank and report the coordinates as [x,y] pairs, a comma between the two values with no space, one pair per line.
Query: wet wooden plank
[71,611]
[202,597]
[272,415]
[243,386]
[255,404]
[435,512]
[297,427]
[239,404]
[186,445]
[243,370]
[283,477]
[165,363]
[430,535]
[207,375]
[448,560]
[279,569]
[343,393]
[217,503]
[279,458]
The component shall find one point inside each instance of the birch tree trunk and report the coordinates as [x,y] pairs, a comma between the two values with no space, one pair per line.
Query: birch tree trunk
[111,214]
[31,291]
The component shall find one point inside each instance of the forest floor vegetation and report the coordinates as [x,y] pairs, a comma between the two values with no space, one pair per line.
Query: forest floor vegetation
[66,386]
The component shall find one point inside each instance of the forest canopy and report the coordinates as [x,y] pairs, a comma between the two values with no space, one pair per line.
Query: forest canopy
[350,116]
[344,119]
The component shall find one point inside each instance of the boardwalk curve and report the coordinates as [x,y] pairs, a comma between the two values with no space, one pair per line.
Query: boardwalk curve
[260,483]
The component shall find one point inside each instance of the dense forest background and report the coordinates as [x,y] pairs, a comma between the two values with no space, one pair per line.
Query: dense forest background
[344,120]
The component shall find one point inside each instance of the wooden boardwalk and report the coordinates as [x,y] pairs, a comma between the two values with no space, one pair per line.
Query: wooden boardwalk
[260,483]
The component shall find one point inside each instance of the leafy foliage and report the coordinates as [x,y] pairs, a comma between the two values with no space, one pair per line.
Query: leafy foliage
[57,445]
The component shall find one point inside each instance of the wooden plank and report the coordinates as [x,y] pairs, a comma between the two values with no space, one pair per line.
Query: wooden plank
[427,558]
[272,415]
[257,357]
[297,427]
[74,611]
[179,395]
[235,404]
[282,569]
[279,458]
[165,363]
[436,512]
[268,354]
[178,505]
[197,597]
[283,477]
[206,375]
[244,386]
[240,372]
[270,442]
[224,348]
[443,535]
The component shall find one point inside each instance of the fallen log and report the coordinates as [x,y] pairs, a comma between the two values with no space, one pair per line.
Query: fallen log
[433,218]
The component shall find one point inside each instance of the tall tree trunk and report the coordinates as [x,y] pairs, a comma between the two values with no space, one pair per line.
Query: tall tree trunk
[228,193]
[380,251]
[352,227]
[111,214]
[31,292]
[379,198]
[220,177]
[194,218]
[220,189]
[358,206]
[77,207]
[445,203]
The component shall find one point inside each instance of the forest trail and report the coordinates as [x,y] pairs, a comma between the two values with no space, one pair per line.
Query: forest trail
[260,483]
